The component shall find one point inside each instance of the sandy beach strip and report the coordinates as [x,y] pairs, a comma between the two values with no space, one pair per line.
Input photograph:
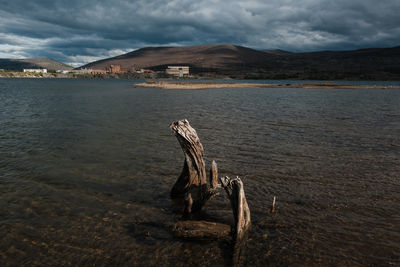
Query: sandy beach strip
[173,85]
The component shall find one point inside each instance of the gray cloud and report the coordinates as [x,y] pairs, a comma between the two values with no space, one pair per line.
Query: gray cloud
[79,31]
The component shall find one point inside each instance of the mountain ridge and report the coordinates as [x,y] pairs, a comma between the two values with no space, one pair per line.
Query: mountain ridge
[234,61]
[192,55]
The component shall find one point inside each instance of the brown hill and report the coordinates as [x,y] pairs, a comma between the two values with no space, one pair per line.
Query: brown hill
[243,62]
[202,58]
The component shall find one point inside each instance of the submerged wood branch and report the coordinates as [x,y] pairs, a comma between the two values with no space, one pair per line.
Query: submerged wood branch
[201,230]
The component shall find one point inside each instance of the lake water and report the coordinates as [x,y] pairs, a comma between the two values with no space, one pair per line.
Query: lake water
[86,167]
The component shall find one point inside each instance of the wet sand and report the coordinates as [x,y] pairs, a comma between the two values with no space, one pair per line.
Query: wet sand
[213,85]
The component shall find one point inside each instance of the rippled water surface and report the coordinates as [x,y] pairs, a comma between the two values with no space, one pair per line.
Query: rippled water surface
[86,167]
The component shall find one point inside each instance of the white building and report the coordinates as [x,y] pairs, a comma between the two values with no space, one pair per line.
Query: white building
[178,71]
[82,71]
[36,70]
[63,71]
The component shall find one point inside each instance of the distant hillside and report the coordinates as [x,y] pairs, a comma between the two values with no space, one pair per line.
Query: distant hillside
[242,62]
[277,52]
[32,63]
[201,58]
[362,64]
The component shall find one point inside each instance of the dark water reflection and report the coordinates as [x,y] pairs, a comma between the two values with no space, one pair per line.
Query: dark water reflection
[86,167]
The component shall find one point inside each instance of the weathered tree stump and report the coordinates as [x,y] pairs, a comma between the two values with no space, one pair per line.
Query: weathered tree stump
[193,188]
[241,211]
[192,183]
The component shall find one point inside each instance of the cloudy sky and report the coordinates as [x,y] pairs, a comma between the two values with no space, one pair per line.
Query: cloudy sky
[81,31]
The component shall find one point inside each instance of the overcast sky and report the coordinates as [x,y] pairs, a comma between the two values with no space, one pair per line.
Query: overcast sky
[81,31]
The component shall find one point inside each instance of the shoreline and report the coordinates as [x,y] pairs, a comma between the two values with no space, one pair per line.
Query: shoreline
[172,85]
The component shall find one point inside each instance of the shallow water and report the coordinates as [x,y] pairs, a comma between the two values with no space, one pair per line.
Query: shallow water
[86,167]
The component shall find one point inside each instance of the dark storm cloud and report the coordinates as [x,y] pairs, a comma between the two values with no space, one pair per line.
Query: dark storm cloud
[81,31]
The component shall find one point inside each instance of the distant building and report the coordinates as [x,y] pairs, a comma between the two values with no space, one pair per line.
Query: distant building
[63,71]
[36,70]
[118,69]
[82,71]
[178,71]
[125,70]
[99,72]
[146,71]
[114,69]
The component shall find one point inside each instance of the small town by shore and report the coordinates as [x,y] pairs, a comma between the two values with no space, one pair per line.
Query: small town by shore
[194,85]
[74,74]
[110,71]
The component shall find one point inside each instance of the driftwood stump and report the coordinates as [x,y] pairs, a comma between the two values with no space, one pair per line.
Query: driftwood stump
[193,188]
[194,169]
[192,182]
[241,211]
